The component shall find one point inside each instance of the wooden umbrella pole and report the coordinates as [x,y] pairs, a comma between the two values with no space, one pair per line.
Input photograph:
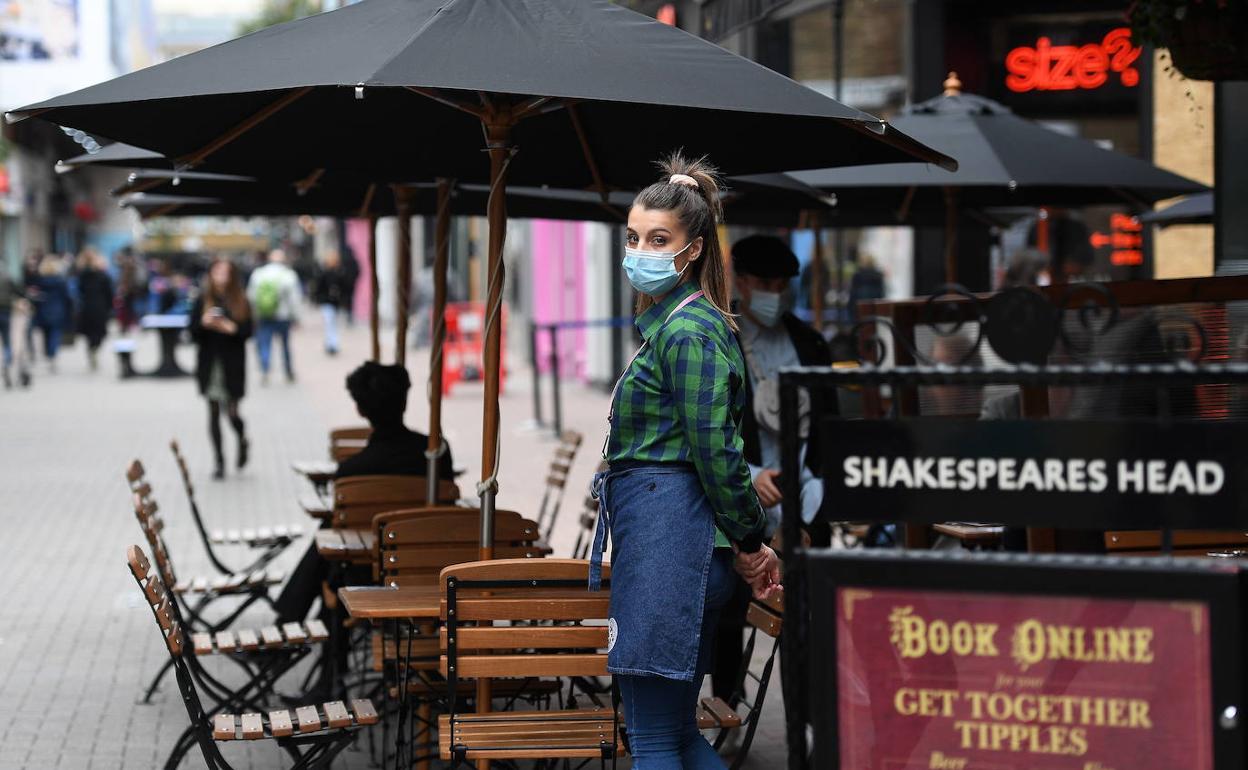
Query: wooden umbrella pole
[403,210]
[441,258]
[374,313]
[498,139]
[816,276]
[951,235]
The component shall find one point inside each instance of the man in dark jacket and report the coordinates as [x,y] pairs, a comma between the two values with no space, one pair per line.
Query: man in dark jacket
[771,338]
[380,395]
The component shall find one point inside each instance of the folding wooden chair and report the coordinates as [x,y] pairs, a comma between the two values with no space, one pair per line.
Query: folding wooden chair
[524,592]
[357,499]
[272,540]
[714,714]
[589,520]
[346,442]
[557,481]
[313,735]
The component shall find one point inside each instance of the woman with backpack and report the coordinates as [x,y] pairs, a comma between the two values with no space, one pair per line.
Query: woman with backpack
[220,325]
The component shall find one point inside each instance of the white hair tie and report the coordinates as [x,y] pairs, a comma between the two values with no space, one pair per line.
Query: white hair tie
[684,179]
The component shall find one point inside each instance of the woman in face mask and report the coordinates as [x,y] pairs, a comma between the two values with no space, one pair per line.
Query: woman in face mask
[677,497]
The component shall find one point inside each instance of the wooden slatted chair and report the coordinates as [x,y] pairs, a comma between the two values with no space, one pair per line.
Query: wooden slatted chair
[589,520]
[1185,542]
[251,586]
[312,735]
[557,481]
[272,540]
[357,499]
[764,618]
[346,442]
[479,595]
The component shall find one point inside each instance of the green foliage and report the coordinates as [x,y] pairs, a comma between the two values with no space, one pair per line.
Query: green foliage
[279,12]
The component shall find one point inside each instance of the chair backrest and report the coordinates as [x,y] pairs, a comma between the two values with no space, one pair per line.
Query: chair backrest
[189,486]
[1185,542]
[386,517]
[150,521]
[476,595]
[357,499]
[345,442]
[557,481]
[414,550]
[159,600]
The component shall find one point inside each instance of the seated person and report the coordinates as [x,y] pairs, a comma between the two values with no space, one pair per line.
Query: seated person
[380,395]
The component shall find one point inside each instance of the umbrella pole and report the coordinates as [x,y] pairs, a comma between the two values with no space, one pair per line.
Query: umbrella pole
[951,235]
[816,277]
[374,314]
[442,237]
[403,210]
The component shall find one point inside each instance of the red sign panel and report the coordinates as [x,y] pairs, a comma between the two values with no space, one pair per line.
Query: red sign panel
[1049,67]
[961,681]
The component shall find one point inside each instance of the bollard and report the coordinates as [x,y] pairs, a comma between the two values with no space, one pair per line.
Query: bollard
[537,375]
[554,377]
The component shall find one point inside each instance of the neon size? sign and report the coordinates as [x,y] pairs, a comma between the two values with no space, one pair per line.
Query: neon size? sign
[1048,67]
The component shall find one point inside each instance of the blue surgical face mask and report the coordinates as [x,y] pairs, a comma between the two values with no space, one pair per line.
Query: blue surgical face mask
[653,272]
[768,307]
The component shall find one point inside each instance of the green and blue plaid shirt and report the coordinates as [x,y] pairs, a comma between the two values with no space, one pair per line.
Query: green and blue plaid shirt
[682,400]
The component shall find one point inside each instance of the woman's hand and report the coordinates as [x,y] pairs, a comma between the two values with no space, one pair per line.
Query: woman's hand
[765,486]
[761,570]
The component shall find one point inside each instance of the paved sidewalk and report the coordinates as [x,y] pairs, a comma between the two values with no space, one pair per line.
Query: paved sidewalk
[77,646]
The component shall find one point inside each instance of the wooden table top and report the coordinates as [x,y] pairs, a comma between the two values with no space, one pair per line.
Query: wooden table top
[383,602]
[317,471]
[969,531]
[355,545]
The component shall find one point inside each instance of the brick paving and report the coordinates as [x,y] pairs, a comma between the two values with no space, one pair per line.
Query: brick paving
[77,646]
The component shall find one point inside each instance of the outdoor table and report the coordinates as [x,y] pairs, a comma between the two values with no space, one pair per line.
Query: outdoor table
[346,545]
[970,534]
[170,326]
[319,472]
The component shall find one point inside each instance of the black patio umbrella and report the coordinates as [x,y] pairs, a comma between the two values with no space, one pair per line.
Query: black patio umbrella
[117,154]
[570,93]
[1192,210]
[1005,160]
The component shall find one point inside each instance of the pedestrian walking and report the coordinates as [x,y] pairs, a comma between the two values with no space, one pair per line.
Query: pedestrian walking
[274,293]
[95,302]
[10,296]
[53,305]
[331,292]
[131,290]
[221,322]
[677,497]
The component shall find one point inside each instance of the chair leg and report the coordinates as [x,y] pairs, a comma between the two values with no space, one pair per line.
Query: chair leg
[151,689]
[186,741]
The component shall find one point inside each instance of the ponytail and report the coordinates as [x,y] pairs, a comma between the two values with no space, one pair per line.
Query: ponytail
[699,211]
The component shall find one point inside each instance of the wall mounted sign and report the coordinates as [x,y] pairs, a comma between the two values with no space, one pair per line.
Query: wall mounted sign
[962,663]
[1078,474]
[1053,68]
[1049,67]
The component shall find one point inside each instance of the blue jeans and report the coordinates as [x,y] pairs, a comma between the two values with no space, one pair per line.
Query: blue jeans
[329,312]
[264,344]
[659,712]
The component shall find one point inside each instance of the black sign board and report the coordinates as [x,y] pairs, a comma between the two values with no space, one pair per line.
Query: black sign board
[1085,474]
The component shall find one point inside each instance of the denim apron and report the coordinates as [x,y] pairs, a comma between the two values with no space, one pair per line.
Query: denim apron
[664,532]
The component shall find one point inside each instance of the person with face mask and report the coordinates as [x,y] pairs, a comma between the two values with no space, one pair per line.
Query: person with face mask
[676,500]
[771,339]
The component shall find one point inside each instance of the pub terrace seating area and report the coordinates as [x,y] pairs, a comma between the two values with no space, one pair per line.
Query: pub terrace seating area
[436,658]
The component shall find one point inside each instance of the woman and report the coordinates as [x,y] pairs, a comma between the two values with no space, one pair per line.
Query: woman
[53,306]
[221,324]
[95,298]
[677,496]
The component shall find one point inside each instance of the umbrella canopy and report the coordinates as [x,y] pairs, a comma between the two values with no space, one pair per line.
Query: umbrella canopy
[1004,160]
[568,93]
[1192,210]
[117,154]
[378,86]
[768,199]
